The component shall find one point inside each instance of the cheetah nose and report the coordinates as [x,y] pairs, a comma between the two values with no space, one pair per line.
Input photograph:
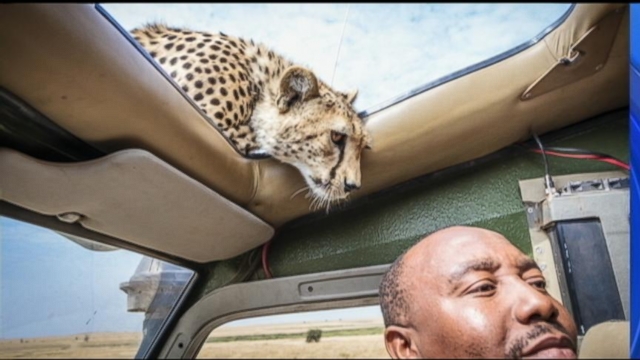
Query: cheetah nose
[349,186]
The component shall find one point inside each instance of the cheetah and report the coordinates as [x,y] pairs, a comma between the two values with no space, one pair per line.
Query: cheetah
[266,105]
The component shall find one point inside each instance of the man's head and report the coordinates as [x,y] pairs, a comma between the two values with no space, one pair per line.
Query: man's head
[468,292]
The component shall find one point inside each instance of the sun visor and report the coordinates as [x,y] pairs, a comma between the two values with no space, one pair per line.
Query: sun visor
[134,196]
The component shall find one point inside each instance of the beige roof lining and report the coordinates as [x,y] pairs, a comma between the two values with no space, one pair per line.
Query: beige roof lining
[471,116]
[134,196]
[74,66]
[98,86]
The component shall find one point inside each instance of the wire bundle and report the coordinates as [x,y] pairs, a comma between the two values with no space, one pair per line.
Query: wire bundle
[574,153]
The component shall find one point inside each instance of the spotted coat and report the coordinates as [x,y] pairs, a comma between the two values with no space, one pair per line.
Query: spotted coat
[266,105]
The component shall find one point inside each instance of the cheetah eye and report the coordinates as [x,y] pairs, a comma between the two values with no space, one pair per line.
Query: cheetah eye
[337,138]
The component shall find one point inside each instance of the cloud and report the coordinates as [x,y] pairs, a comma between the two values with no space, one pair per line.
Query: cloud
[387,50]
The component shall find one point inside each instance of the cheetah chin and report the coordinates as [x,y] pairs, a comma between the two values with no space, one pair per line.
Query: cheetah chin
[267,106]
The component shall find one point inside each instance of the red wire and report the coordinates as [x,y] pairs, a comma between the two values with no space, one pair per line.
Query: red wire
[617,163]
[265,260]
[585,156]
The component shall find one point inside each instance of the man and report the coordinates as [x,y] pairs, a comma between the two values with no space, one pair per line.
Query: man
[466,292]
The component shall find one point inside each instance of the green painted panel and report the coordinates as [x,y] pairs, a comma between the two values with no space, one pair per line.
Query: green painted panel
[377,229]
[485,193]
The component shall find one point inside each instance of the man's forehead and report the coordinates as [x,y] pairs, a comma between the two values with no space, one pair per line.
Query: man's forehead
[447,255]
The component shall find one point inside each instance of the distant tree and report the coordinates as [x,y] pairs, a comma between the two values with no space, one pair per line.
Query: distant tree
[21,341]
[314,335]
[86,338]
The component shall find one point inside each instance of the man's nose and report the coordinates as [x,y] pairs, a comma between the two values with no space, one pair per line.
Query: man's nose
[533,305]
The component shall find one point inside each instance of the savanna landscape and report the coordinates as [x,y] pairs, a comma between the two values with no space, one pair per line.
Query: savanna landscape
[339,339]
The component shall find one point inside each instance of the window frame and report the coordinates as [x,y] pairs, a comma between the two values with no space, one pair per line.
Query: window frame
[271,297]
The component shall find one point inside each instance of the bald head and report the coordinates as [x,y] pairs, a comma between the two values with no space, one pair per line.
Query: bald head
[450,241]
[468,292]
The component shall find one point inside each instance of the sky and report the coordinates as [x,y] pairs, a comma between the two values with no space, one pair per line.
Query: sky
[52,286]
[386,49]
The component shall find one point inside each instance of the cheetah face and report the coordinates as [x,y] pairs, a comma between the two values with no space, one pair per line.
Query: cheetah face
[321,135]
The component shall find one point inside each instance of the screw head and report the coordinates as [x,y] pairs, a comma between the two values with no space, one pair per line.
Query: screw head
[70,217]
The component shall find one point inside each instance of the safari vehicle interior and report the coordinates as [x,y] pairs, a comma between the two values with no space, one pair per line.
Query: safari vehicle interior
[97,142]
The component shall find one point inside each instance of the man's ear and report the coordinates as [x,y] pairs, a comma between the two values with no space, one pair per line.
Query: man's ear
[350,96]
[400,343]
[297,84]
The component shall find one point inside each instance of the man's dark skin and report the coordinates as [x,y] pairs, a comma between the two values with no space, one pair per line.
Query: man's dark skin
[471,293]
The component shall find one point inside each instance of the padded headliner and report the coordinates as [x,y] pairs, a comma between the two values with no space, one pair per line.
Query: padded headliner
[134,196]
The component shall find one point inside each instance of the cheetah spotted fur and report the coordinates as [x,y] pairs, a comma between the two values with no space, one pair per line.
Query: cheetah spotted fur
[266,105]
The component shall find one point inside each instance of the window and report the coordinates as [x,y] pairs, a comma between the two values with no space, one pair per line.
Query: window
[385,50]
[63,296]
[344,333]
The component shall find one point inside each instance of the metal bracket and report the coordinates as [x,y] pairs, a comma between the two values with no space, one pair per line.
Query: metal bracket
[586,57]
[580,196]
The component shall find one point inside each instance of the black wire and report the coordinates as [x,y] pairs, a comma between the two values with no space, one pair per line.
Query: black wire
[544,156]
[547,175]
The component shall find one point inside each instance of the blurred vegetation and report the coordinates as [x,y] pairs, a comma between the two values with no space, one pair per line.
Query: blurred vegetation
[302,335]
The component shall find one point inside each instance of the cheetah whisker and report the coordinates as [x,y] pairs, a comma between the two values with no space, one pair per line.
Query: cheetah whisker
[327,204]
[318,202]
[315,204]
[327,201]
[299,191]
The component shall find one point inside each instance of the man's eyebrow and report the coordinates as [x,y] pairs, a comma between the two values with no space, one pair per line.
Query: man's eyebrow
[481,264]
[526,264]
[486,264]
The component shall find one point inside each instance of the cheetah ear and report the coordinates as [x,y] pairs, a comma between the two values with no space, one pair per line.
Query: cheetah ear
[296,84]
[350,96]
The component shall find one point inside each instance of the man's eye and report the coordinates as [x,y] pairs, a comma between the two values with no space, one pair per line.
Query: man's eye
[483,289]
[540,284]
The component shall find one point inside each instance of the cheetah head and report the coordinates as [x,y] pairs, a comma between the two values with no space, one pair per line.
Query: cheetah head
[320,133]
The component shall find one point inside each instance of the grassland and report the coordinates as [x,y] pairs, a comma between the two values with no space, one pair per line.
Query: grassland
[340,339]
[99,345]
